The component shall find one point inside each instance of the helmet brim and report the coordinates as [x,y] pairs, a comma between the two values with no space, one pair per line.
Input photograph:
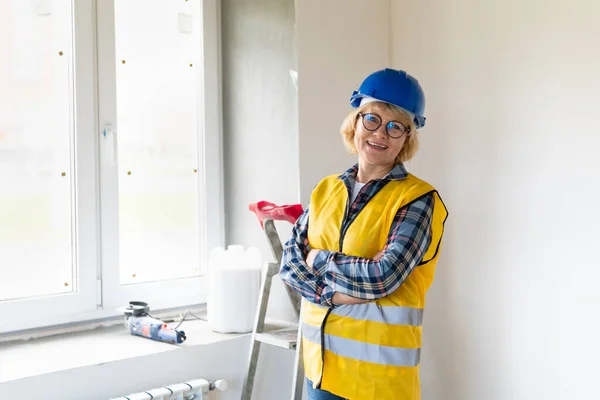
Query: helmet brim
[356,98]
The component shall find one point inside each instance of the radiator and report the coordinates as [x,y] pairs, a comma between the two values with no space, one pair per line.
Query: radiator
[197,390]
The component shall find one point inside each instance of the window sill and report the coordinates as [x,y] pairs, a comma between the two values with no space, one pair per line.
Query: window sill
[22,359]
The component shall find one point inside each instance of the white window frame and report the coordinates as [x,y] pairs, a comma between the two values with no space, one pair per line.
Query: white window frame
[177,292]
[99,294]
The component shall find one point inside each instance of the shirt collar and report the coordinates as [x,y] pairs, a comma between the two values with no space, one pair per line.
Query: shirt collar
[397,173]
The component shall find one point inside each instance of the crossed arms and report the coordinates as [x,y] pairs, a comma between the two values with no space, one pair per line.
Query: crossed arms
[329,277]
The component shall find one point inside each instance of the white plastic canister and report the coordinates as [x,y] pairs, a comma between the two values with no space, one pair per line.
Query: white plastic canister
[233,288]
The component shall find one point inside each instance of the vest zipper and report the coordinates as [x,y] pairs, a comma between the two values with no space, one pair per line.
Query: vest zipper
[343,230]
[323,346]
[345,223]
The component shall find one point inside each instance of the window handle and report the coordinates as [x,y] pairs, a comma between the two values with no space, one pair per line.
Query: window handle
[109,136]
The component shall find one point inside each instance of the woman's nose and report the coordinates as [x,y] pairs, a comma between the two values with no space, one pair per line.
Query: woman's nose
[380,131]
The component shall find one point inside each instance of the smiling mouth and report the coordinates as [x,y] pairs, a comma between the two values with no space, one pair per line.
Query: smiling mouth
[377,146]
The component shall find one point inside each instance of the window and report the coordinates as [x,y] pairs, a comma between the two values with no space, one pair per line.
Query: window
[110,186]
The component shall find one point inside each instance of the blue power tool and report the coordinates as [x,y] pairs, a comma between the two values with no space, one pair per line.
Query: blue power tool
[141,323]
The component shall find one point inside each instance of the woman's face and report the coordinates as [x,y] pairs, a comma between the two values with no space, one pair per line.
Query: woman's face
[376,147]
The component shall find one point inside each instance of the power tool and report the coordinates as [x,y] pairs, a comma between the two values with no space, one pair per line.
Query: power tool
[141,323]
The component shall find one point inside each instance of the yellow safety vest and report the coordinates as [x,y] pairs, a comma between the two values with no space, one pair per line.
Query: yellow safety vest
[372,350]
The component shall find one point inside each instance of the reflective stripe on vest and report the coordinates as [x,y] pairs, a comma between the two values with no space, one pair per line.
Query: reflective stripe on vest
[368,352]
[377,313]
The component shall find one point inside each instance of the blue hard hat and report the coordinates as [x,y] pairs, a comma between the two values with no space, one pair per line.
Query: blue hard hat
[393,87]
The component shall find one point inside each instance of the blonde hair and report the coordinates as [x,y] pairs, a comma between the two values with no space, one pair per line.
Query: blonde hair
[411,145]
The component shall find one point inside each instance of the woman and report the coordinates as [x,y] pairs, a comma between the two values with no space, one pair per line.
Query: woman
[364,252]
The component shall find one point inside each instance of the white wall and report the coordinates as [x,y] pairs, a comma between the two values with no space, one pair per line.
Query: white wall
[222,360]
[100,364]
[260,124]
[337,48]
[260,129]
[511,142]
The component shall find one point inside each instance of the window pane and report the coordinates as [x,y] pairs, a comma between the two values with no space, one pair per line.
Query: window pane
[158,60]
[36,164]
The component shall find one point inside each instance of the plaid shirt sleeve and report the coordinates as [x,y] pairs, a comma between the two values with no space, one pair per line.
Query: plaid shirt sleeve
[365,278]
[294,271]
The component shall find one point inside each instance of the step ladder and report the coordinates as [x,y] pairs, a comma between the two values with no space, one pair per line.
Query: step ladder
[285,336]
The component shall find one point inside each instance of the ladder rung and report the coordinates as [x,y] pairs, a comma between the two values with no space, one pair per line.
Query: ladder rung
[284,338]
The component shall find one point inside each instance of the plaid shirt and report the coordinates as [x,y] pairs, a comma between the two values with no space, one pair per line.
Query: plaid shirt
[363,278]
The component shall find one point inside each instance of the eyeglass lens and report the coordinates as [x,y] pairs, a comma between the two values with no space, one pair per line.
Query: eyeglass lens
[372,122]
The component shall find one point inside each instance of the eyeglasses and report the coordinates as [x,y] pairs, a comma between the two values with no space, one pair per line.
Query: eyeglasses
[394,129]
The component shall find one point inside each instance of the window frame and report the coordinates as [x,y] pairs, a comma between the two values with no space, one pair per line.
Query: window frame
[99,294]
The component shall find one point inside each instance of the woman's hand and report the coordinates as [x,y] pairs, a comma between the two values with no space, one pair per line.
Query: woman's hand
[310,257]
[340,298]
